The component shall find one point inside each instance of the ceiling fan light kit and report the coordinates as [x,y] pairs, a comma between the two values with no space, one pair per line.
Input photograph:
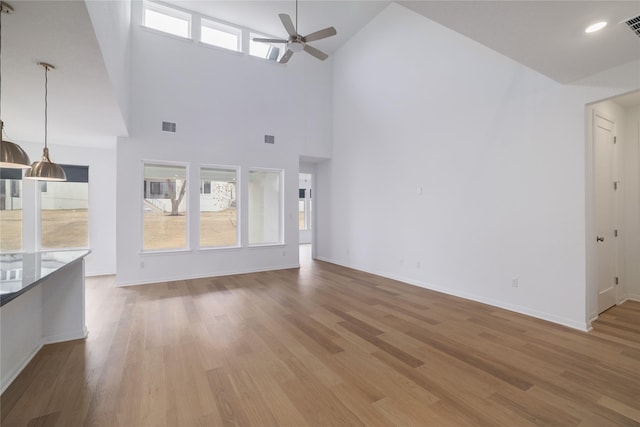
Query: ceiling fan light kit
[296,42]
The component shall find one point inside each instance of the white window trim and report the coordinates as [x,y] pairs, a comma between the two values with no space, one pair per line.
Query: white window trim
[187,247]
[230,29]
[237,170]
[282,241]
[169,11]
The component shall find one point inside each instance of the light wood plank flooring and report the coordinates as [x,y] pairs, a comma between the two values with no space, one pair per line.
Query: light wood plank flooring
[325,346]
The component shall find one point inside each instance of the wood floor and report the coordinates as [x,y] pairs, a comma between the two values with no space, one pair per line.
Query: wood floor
[325,346]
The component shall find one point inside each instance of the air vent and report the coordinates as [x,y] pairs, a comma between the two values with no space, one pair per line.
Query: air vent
[168,127]
[634,24]
[269,139]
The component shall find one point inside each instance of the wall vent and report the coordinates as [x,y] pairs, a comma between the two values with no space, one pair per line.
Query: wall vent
[269,139]
[634,24]
[168,127]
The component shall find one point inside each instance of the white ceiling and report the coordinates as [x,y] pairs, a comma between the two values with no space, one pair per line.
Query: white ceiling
[82,107]
[347,16]
[547,36]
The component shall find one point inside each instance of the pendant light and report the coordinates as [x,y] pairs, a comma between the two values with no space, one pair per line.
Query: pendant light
[45,169]
[11,154]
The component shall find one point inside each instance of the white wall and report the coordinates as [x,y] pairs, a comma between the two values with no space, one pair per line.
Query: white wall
[223,103]
[630,138]
[102,201]
[111,21]
[457,169]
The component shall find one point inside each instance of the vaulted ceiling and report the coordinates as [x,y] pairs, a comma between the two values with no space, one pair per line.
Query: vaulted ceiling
[547,36]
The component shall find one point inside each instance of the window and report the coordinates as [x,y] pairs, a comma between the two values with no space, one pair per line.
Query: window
[269,51]
[304,201]
[265,206]
[64,210]
[205,187]
[217,34]
[218,207]
[10,210]
[302,209]
[164,207]
[166,19]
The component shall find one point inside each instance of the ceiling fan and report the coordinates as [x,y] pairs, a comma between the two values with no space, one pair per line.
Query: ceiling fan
[296,42]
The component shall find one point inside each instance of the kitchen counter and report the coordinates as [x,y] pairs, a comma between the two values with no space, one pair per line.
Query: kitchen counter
[41,302]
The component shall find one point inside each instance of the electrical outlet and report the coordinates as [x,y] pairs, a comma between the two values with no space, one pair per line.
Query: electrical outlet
[514,282]
[141,264]
[417,264]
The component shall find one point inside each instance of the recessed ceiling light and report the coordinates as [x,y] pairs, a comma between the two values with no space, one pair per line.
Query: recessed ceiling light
[595,27]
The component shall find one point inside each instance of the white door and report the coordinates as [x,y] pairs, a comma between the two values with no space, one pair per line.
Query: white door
[604,211]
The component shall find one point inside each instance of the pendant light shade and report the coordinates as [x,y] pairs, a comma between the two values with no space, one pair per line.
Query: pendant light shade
[11,154]
[45,169]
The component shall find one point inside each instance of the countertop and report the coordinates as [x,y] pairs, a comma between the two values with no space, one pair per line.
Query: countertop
[21,271]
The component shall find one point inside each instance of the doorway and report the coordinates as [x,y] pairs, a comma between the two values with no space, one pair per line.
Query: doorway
[613,203]
[305,214]
[305,206]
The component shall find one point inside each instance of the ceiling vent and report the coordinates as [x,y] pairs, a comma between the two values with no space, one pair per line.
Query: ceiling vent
[168,127]
[634,24]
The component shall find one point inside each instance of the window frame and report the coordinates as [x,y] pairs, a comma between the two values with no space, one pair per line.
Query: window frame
[10,178]
[237,171]
[187,247]
[281,219]
[226,28]
[171,12]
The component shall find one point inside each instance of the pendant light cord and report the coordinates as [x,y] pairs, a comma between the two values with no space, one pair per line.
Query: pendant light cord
[1,12]
[46,94]
[296,16]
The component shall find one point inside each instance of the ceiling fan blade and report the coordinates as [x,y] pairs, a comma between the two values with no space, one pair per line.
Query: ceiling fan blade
[288,24]
[285,58]
[322,34]
[315,52]
[261,40]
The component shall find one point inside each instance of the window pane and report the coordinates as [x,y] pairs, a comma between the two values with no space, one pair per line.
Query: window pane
[268,51]
[219,37]
[165,207]
[64,215]
[168,22]
[265,207]
[11,215]
[218,210]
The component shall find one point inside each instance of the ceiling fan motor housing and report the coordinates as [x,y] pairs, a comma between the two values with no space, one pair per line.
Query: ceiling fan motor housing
[296,45]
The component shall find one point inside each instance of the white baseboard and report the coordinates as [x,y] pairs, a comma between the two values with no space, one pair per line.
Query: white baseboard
[77,335]
[203,275]
[581,326]
[634,297]
[11,376]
